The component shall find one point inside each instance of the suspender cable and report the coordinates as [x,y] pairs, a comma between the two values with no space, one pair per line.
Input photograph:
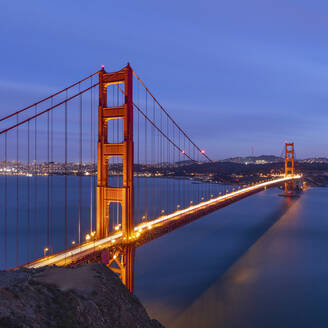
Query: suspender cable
[166,166]
[179,154]
[36,239]
[17,192]
[161,157]
[146,167]
[152,194]
[51,178]
[94,155]
[6,204]
[162,108]
[156,127]
[139,166]
[172,169]
[49,97]
[118,172]
[91,153]
[66,201]
[28,194]
[80,165]
[48,109]
[138,207]
[48,181]
[112,167]
[184,180]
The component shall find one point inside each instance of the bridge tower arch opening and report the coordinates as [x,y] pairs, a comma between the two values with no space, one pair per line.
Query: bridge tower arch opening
[124,194]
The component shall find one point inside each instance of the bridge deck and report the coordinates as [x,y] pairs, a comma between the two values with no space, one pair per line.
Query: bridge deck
[145,232]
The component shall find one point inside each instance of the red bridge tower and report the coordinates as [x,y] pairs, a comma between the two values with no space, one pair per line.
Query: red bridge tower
[123,261]
[289,165]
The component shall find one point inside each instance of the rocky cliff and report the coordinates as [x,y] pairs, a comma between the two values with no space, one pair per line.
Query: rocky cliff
[86,296]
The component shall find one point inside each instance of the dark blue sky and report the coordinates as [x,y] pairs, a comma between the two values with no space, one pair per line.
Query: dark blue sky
[233,73]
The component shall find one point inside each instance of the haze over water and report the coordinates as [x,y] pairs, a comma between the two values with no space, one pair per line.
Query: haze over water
[261,262]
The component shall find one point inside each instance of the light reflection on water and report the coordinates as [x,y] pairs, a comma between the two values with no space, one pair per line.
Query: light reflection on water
[33,210]
[259,263]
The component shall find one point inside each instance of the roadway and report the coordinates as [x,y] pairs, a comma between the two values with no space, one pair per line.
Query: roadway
[147,231]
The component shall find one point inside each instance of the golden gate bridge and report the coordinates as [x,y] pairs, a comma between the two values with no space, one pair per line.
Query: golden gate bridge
[99,168]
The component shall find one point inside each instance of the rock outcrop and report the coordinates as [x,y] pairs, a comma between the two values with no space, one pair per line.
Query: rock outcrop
[90,295]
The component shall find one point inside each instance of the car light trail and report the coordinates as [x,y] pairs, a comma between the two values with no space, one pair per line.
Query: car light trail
[52,259]
[192,208]
[64,255]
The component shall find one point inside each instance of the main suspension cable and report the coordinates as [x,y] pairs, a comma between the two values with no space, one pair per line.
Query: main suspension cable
[47,98]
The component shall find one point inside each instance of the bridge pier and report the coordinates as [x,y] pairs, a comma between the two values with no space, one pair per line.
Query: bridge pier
[121,261]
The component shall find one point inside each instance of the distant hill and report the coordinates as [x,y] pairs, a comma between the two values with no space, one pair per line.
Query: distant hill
[263,159]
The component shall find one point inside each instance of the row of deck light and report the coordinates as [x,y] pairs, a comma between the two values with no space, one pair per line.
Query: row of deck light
[149,226]
[87,237]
